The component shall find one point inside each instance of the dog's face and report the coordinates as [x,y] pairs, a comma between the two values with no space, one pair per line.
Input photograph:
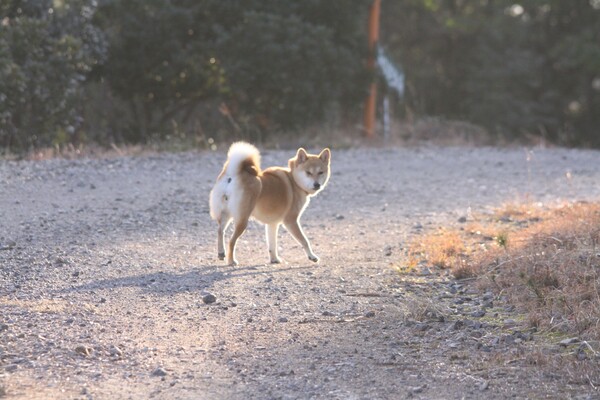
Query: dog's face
[311,172]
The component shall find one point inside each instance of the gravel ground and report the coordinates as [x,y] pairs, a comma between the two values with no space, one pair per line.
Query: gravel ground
[107,267]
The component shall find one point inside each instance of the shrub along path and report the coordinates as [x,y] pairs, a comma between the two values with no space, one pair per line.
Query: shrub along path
[105,265]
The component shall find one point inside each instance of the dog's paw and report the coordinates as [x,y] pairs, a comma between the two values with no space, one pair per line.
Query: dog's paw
[276,260]
[313,258]
[233,263]
[221,256]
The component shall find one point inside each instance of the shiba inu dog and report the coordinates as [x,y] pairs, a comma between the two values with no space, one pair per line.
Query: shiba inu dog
[274,196]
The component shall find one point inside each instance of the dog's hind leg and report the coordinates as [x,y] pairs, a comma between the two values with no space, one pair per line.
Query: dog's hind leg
[241,203]
[223,222]
[272,230]
[241,215]
[240,227]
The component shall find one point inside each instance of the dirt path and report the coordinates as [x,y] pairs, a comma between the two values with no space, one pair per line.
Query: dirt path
[104,265]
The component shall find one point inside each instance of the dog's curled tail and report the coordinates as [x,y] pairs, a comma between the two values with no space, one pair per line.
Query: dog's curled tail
[243,157]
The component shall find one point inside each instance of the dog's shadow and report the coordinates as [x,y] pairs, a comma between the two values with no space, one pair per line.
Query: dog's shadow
[198,279]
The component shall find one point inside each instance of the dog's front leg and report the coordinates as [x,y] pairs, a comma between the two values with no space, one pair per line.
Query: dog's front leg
[294,228]
[272,230]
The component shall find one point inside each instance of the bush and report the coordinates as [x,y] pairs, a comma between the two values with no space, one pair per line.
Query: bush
[161,62]
[45,54]
[277,65]
[290,72]
[525,68]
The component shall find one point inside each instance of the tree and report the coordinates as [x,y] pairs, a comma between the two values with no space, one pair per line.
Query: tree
[161,60]
[290,72]
[528,67]
[45,54]
[278,65]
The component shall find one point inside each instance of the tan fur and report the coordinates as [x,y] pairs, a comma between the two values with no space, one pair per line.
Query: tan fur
[274,196]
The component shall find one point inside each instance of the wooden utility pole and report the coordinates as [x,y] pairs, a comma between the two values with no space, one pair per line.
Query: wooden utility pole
[371,102]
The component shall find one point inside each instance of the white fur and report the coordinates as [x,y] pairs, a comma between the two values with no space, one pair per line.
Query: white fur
[217,200]
[238,152]
[303,180]
[227,193]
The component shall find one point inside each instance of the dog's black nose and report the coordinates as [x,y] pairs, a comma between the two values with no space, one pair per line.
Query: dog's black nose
[317,186]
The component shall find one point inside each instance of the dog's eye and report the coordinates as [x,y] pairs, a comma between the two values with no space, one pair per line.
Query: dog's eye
[320,173]
[308,173]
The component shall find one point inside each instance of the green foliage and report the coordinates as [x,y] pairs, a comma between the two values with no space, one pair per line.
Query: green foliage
[502,239]
[276,64]
[505,79]
[45,53]
[527,67]
[134,70]
[290,72]
[161,61]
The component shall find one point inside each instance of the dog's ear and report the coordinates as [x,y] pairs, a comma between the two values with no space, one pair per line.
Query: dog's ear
[325,155]
[301,156]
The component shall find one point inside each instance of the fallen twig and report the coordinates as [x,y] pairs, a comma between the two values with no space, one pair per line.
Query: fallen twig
[367,294]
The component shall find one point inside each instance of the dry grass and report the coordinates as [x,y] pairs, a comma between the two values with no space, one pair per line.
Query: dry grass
[547,261]
[38,306]
[406,132]
[443,249]
[71,152]
[91,150]
[551,269]
[424,309]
